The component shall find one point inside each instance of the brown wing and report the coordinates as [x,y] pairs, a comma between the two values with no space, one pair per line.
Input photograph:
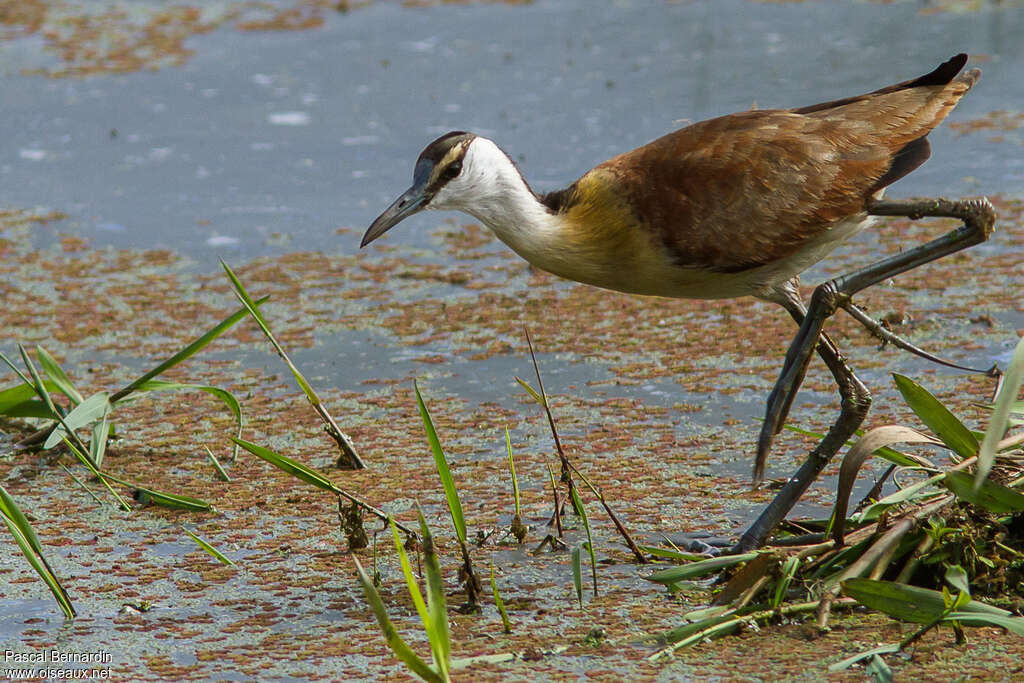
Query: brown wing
[746,189]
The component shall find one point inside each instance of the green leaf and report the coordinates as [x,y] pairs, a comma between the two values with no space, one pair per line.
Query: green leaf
[991,496]
[170,500]
[687,630]
[1012,380]
[450,492]
[577,504]
[867,654]
[20,394]
[789,569]
[437,606]
[57,375]
[39,564]
[908,603]
[91,409]
[251,307]
[226,397]
[187,352]
[394,640]
[957,578]
[27,540]
[950,430]
[532,392]
[1012,624]
[577,573]
[98,440]
[213,552]
[500,604]
[701,568]
[878,670]
[292,467]
[414,592]
[512,470]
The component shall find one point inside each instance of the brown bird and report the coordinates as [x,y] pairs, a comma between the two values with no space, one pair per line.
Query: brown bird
[734,206]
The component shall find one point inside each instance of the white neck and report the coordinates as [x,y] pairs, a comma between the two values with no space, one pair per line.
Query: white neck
[491,189]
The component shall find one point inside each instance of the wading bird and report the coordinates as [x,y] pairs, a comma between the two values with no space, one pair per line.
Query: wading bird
[734,206]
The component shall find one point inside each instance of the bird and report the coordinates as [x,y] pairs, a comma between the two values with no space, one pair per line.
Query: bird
[734,206]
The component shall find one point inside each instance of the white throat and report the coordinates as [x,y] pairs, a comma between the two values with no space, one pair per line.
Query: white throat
[491,189]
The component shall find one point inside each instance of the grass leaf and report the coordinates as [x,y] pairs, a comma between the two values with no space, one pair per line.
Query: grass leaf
[437,606]
[990,495]
[394,640]
[908,603]
[944,424]
[532,392]
[577,573]
[91,409]
[867,654]
[226,397]
[1012,380]
[57,375]
[27,540]
[701,568]
[443,471]
[187,352]
[213,552]
[292,467]
[500,604]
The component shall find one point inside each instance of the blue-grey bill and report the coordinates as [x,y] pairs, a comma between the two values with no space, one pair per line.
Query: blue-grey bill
[411,201]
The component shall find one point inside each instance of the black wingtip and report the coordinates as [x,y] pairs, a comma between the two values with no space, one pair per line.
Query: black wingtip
[943,73]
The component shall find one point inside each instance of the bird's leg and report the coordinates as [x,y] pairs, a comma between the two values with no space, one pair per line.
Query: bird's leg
[978,218]
[887,336]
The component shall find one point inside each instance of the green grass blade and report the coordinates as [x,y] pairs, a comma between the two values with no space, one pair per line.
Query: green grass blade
[944,424]
[532,392]
[577,573]
[98,440]
[10,509]
[91,409]
[443,471]
[1012,380]
[394,640]
[1012,624]
[84,459]
[437,605]
[27,540]
[867,654]
[213,552]
[697,569]
[216,464]
[82,484]
[251,307]
[57,375]
[187,352]
[292,467]
[414,591]
[225,396]
[909,603]
[990,495]
[21,394]
[169,500]
[59,594]
[500,604]
[577,504]
[789,569]
[512,469]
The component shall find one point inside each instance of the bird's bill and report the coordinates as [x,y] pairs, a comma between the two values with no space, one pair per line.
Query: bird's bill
[411,201]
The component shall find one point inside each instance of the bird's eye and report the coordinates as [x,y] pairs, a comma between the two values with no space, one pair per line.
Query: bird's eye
[453,169]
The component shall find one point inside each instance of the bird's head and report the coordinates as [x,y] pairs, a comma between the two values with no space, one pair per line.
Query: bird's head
[444,177]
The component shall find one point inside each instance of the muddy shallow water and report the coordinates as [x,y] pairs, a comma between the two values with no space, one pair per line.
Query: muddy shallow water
[144,141]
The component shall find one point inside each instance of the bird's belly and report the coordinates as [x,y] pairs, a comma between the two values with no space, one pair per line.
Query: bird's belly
[652,271]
